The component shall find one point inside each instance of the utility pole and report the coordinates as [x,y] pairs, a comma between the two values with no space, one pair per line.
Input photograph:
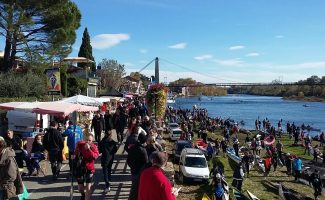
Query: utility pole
[157,70]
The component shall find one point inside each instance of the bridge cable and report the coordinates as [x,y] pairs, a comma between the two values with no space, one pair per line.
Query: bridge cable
[186,68]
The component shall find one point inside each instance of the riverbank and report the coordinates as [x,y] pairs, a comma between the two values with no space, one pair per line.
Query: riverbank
[306,99]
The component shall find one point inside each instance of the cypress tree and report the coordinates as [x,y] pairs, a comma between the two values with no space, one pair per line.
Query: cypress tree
[86,51]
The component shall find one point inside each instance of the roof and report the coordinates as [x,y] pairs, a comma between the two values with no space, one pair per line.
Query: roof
[193,151]
[78,60]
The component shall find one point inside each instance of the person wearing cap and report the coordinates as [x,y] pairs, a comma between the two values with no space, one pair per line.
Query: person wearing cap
[153,183]
[8,171]
[137,158]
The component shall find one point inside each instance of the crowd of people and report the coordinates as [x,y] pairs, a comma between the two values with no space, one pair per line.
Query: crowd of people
[145,148]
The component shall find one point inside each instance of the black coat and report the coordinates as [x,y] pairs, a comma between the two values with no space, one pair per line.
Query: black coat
[53,140]
[137,158]
[98,124]
[108,122]
[107,147]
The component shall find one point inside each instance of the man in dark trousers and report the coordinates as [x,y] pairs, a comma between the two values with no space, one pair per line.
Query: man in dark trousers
[137,159]
[107,147]
[98,125]
[53,143]
[120,121]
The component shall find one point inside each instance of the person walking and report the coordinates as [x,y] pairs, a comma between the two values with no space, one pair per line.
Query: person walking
[108,117]
[137,158]
[74,134]
[53,143]
[238,177]
[98,125]
[108,148]
[279,149]
[297,167]
[89,152]
[153,183]
[246,161]
[119,121]
[316,182]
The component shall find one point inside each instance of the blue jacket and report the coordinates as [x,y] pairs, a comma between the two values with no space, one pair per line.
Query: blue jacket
[297,164]
[73,138]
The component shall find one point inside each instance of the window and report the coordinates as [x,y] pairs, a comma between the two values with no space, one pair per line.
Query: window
[195,162]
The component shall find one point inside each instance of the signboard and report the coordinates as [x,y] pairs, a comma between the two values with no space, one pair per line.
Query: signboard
[53,81]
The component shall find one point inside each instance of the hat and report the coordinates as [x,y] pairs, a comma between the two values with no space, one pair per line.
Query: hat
[2,139]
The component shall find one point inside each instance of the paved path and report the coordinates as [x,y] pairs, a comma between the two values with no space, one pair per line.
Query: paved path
[45,188]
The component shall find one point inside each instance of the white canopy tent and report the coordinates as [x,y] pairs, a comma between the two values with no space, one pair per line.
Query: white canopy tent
[84,100]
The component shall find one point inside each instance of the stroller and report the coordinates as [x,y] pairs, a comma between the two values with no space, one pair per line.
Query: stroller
[34,163]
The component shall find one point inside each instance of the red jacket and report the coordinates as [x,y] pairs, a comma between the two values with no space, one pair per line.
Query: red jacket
[154,185]
[89,155]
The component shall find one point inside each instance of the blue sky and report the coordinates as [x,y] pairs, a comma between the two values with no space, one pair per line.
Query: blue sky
[209,40]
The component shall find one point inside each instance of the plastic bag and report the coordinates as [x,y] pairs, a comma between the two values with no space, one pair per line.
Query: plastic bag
[24,195]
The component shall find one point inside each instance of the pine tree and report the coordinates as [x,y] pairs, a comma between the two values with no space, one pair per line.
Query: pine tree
[37,29]
[86,51]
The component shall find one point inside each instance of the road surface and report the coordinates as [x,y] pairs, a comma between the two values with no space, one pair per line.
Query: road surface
[45,188]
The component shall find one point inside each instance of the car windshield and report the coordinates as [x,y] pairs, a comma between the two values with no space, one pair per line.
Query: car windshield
[177,132]
[173,125]
[195,162]
[181,146]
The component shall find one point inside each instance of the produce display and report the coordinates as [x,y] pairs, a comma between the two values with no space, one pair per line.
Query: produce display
[157,94]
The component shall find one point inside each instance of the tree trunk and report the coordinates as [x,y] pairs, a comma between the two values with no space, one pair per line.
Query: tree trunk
[9,35]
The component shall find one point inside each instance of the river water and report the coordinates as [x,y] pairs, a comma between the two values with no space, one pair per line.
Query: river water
[248,108]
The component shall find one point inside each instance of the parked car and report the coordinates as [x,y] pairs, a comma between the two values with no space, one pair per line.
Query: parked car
[179,146]
[172,126]
[175,134]
[193,166]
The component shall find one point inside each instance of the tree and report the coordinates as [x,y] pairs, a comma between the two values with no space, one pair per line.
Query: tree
[34,28]
[111,74]
[138,76]
[86,51]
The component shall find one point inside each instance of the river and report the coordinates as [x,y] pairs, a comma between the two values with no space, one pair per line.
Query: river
[248,108]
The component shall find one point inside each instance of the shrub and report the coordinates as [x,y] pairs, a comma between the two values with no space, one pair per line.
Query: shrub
[22,85]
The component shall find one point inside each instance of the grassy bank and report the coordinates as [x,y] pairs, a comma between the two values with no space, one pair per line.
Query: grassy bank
[307,99]
[255,183]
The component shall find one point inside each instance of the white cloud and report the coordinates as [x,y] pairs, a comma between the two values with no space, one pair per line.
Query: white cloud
[253,54]
[106,41]
[279,36]
[203,57]
[178,46]
[143,51]
[231,62]
[236,47]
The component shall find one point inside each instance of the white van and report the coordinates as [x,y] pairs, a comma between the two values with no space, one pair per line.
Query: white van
[24,121]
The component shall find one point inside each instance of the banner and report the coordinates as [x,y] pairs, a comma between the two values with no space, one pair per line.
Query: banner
[53,81]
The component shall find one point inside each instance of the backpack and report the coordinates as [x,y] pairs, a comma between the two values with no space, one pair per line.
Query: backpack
[79,167]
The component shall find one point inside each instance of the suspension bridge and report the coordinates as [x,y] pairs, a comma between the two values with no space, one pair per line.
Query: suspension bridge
[226,83]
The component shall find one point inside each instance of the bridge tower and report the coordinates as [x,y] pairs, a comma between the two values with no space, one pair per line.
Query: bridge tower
[157,70]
